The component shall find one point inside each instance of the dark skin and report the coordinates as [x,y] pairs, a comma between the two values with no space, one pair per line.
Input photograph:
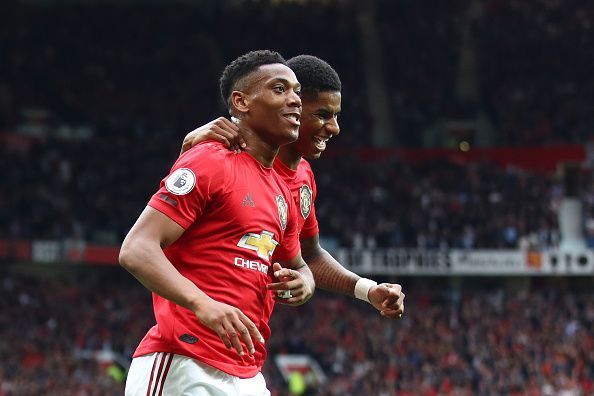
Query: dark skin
[269,107]
[319,123]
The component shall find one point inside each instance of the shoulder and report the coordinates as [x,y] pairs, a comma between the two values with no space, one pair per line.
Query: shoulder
[206,155]
[207,150]
[207,161]
[304,169]
[305,166]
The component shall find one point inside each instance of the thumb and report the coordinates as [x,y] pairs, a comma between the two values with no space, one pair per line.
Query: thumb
[276,267]
[283,278]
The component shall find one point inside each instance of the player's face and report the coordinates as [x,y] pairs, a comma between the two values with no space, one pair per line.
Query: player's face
[274,104]
[319,122]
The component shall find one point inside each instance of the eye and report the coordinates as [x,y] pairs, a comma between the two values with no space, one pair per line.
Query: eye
[279,88]
[298,92]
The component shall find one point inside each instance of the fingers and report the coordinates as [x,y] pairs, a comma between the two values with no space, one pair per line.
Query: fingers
[232,337]
[298,297]
[237,328]
[232,128]
[395,311]
[252,329]
[249,332]
[390,294]
[284,274]
[279,289]
[276,267]
[392,300]
[220,134]
[187,143]
[392,297]
[392,303]
[292,281]
[292,285]
[230,131]
[289,279]
[222,333]
[221,130]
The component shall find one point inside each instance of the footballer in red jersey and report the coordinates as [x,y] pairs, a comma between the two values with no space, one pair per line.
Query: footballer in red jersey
[227,248]
[209,245]
[321,99]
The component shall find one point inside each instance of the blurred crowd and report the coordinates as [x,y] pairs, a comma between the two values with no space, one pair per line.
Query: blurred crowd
[534,59]
[467,341]
[110,91]
[436,205]
[133,69]
[102,96]
[513,70]
[52,327]
[93,190]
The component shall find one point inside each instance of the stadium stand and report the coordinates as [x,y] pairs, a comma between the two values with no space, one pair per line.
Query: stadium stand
[95,99]
[69,192]
[74,330]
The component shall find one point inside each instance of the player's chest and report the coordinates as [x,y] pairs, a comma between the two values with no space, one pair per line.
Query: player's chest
[302,196]
[256,205]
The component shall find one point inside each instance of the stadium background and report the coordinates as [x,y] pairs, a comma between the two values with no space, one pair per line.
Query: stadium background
[463,172]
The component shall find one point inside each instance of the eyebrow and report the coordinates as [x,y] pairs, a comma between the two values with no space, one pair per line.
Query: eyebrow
[285,81]
[325,110]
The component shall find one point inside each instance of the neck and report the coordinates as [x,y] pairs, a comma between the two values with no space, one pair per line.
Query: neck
[289,157]
[262,151]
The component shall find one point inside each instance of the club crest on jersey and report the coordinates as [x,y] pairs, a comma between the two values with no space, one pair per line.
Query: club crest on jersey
[305,196]
[282,211]
[181,182]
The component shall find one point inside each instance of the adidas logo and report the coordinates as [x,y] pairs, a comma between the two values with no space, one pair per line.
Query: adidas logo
[248,201]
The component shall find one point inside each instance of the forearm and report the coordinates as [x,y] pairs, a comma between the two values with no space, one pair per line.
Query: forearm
[147,262]
[330,275]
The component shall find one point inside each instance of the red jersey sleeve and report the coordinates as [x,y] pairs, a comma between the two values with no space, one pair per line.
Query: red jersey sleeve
[185,192]
[290,246]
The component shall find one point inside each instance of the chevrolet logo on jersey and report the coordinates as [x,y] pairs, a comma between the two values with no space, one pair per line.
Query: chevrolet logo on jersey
[262,243]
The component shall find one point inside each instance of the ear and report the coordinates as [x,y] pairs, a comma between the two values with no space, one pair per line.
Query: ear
[240,102]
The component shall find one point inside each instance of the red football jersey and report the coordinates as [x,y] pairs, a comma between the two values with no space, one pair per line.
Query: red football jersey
[237,214]
[303,188]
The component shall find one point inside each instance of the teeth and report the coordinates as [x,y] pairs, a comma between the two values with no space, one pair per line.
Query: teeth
[292,117]
[320,142]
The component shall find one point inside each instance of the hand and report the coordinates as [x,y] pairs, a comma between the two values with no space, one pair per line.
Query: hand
[291,281]
[387,298]
[230,324]
[222,130]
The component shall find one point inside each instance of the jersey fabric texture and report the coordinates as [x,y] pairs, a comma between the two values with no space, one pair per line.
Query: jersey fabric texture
[238,218]
[303,188]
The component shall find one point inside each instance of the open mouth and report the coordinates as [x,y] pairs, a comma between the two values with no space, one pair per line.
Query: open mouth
[293,118]
[320,142]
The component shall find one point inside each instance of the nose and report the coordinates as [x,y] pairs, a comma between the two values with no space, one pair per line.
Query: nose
[332,126]
[294,99]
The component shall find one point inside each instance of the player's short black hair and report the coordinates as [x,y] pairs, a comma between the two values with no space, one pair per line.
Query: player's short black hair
[244,65]
[314,74]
